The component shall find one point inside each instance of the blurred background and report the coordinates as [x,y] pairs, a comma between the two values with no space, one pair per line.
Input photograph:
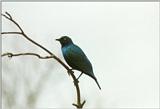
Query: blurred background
[121,40]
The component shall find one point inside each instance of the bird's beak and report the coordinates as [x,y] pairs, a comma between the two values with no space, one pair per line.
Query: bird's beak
[57,39]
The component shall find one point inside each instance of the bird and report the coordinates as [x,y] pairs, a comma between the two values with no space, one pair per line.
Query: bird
[76,58]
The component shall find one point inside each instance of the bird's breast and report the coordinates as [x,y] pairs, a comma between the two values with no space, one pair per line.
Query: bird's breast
[65,50]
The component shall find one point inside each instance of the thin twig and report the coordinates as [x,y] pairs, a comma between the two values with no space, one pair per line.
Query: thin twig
[9,17]
[11,33]
[24,54]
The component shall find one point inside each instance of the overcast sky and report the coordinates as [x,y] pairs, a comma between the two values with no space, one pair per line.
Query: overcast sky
[120,39]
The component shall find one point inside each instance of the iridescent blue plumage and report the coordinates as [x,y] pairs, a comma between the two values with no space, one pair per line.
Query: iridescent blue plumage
[76,58]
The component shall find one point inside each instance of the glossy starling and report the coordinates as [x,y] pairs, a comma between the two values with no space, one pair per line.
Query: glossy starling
[76,58]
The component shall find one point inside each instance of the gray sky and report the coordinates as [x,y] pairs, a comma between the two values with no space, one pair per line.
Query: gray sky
[120,39]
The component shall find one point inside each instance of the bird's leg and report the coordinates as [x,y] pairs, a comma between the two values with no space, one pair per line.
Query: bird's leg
[79,76]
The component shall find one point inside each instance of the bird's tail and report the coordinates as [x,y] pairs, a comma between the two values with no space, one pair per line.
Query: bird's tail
[97,83]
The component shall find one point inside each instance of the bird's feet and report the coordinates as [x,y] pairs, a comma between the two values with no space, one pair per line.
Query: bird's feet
[70,71]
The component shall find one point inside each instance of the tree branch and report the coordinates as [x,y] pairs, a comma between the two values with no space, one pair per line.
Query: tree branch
[12,33]
[79,104]
[9,17]
[10,55]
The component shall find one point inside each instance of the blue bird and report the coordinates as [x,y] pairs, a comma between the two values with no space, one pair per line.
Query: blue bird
[76,58]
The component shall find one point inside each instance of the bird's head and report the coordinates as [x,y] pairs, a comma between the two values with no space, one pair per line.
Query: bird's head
[65,40]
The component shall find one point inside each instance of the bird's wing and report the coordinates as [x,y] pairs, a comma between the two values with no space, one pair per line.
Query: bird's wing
[77,59]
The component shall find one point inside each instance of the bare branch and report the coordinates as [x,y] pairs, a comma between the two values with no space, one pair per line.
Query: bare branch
[12,33]
[24,54]
[5,16]
[9,17]
[35,43]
